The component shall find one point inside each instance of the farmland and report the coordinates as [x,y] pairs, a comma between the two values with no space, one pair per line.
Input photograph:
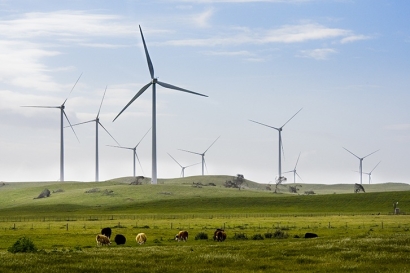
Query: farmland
[357,232]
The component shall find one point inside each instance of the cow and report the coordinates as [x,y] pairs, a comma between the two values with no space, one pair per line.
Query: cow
[310,235]
[120,239]
[141,238]
[102,240]
[182,236]
[219,235]
[106,231]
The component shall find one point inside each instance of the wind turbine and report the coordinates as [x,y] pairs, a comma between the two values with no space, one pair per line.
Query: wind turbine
[202,155]
[62,115]
[153,82]
[98,123]
[280,142]
[183,167]
[370,173]
[295,172]
[361,162]
[134,151]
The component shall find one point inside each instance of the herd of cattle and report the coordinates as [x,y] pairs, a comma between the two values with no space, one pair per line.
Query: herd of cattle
[105,237]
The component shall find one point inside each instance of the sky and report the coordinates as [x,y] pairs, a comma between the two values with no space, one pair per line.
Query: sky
[345,63]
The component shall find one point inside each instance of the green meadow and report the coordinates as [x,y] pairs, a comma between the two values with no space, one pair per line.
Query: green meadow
[356,232]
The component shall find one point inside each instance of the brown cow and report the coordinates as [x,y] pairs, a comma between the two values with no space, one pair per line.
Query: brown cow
[219,235]
[102,240]
[182,236]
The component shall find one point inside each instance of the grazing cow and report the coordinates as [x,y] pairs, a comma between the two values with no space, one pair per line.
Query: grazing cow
[102,240]
[219,235]
[141,238]
[182,236]
[106,231]
[310,235]
[120,239]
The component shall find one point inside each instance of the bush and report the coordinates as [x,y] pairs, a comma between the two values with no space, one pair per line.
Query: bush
[201,236]
[257,237]
[280,234]
[268,235]
[240,236]
[22,245]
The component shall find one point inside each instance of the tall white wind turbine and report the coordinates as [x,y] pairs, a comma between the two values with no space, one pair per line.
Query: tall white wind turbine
[183,167]
[97,123]
[153,82]
[280,142]
[295,172]
[134,152]
[62,115]
[370,173]
[202,155]
[361,162]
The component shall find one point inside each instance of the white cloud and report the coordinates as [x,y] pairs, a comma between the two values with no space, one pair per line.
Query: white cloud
[354,38]
[202,19]
[318,54]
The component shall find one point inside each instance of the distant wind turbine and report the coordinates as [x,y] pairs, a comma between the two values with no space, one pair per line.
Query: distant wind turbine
[134,152]
[153,82]
[370,173]
[183,167]
[280,142]
[295,172]
[98,123]
[202,155]
[62,115]
[361,162]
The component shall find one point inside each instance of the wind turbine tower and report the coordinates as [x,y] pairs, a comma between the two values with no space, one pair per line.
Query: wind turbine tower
[361,163]
[154,81]
[202,155]
[280,141]
[98,123]
[62,115]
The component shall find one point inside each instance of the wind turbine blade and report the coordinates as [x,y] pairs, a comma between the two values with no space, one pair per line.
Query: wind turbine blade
[79,123]
[72,88]
[291,117]
[70,125]
[120,147]
[289,171]
[371,153]
[150,66]
[297,161]
[264,125]
[211,144]
[167,85]
[283,150]
[190,152]
[136,155]
[142,138]
[299,176]
[108,132]
[134,98]
[175,160]
[351,152]
[206,167]
[43,106]
[192,165]
[375,167]
[99,109]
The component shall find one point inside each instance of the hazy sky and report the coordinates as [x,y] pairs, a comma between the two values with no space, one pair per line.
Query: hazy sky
[345,62]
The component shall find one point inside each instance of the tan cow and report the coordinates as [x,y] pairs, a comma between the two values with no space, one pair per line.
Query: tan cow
[141,238]
[102,240]
[182,236]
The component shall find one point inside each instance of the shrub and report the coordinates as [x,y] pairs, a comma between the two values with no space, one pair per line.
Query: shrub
[201,236]
[268,235]
[22,245]
[240,236]
[280,234]
[257,237]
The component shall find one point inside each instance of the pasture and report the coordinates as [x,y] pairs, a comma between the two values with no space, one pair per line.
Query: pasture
[357,232]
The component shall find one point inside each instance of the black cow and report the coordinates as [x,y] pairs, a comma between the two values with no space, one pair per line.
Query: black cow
[120,239]
[310,235]
[106,231]
[219,235]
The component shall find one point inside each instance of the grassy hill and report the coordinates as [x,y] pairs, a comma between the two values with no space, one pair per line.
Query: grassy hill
[196,194]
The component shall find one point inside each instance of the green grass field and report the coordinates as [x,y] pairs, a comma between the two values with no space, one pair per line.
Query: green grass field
[357,232]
